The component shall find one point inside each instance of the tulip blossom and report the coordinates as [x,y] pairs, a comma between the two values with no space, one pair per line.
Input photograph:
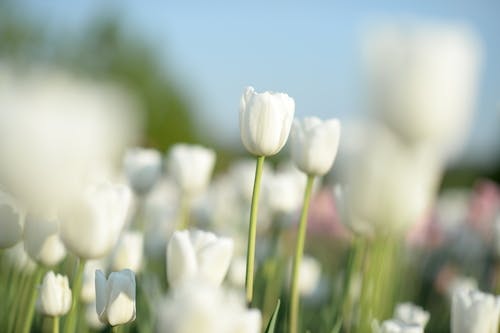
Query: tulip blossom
[55,296]
[197,254]
[396,326]
[411,314]
[474,312]
[198,307]
[143,169]
[87,294]
[115,297]
[129,252]
[314,144]
[191,167]
[42,241]
[265,121]
[92,227]
[309,275]
[11,221]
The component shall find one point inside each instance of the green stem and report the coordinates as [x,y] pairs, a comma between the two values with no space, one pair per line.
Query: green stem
[55,324]
[115,329]
[32,300]
[299,251]
[252,230]
[70,324]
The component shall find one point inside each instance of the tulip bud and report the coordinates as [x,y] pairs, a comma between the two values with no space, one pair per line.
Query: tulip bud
[265,121]
[201,308]
[396,326]
[55,295]
[309,275]
[191,167]
[314,144]
[474,312]
[196,254]
[42,242]
[143,168]
[11,220]
[92,227]
[115,297]
[128,253]
[411,314]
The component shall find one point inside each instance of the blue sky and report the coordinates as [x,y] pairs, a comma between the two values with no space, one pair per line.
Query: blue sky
[311,50]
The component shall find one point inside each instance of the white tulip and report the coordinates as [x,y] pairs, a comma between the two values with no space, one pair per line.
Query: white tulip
[19,259]
[474,312]
[11,221]
[314,144]
[55,296]
[423,79]
[411,314]
[129,252]
[265,121]
[197,307]
[396,326]
[309,275]
[42,241]
[237,272]
[196,254]
[88,286]
[115,297]
[283,191]
[243,175]
[92,226]
[143,169]
[191,166]
[92,318]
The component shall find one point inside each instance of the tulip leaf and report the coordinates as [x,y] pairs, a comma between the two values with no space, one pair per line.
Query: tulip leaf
[271,326]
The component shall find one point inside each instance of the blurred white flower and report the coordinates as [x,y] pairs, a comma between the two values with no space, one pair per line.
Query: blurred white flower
[55,296]
[57,131]
[196,254]
[314,144]
[92,318]
[11,221]
[460,283]
[143,169]
[18,257]
[237,271]
[91,227]
[191,167]
[396,326]
[309,275]
[243,175]
[129,252]
[283,191]
[197,307]
[423,80]
[115,297]
[88,286]
[411,314]
[474,312]
[265,121]
[42,241]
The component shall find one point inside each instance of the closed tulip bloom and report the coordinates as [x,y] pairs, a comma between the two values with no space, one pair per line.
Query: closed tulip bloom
[115,297]
[397,326]
[55,296]
[11,221]
[196,254]
[143,169]
[265,121]
[474,312]
[42,241]
[129,252]
[191,167]
[411,314]
[87,294]
[314,144]
[92,227]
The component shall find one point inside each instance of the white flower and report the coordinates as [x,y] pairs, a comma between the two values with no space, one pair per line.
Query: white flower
[19,259]
[474,312]
[91,228]
[243,175]
[196,254]
[11,221]
[115,297]
[265,121]
[143,169]
[88,286]
[191,167]
[92,318]
[55,295]
[423,79]
[197,307]
[411,314]
[283,191]
[129,252]
[396,326]
[309,275]
[237,271]
[42,241]
[314,144]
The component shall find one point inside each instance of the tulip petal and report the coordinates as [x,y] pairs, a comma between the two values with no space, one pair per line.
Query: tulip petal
[181,258]
[214,260]
[101,295]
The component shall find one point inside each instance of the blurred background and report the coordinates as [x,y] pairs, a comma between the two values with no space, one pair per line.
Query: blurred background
[187,64]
